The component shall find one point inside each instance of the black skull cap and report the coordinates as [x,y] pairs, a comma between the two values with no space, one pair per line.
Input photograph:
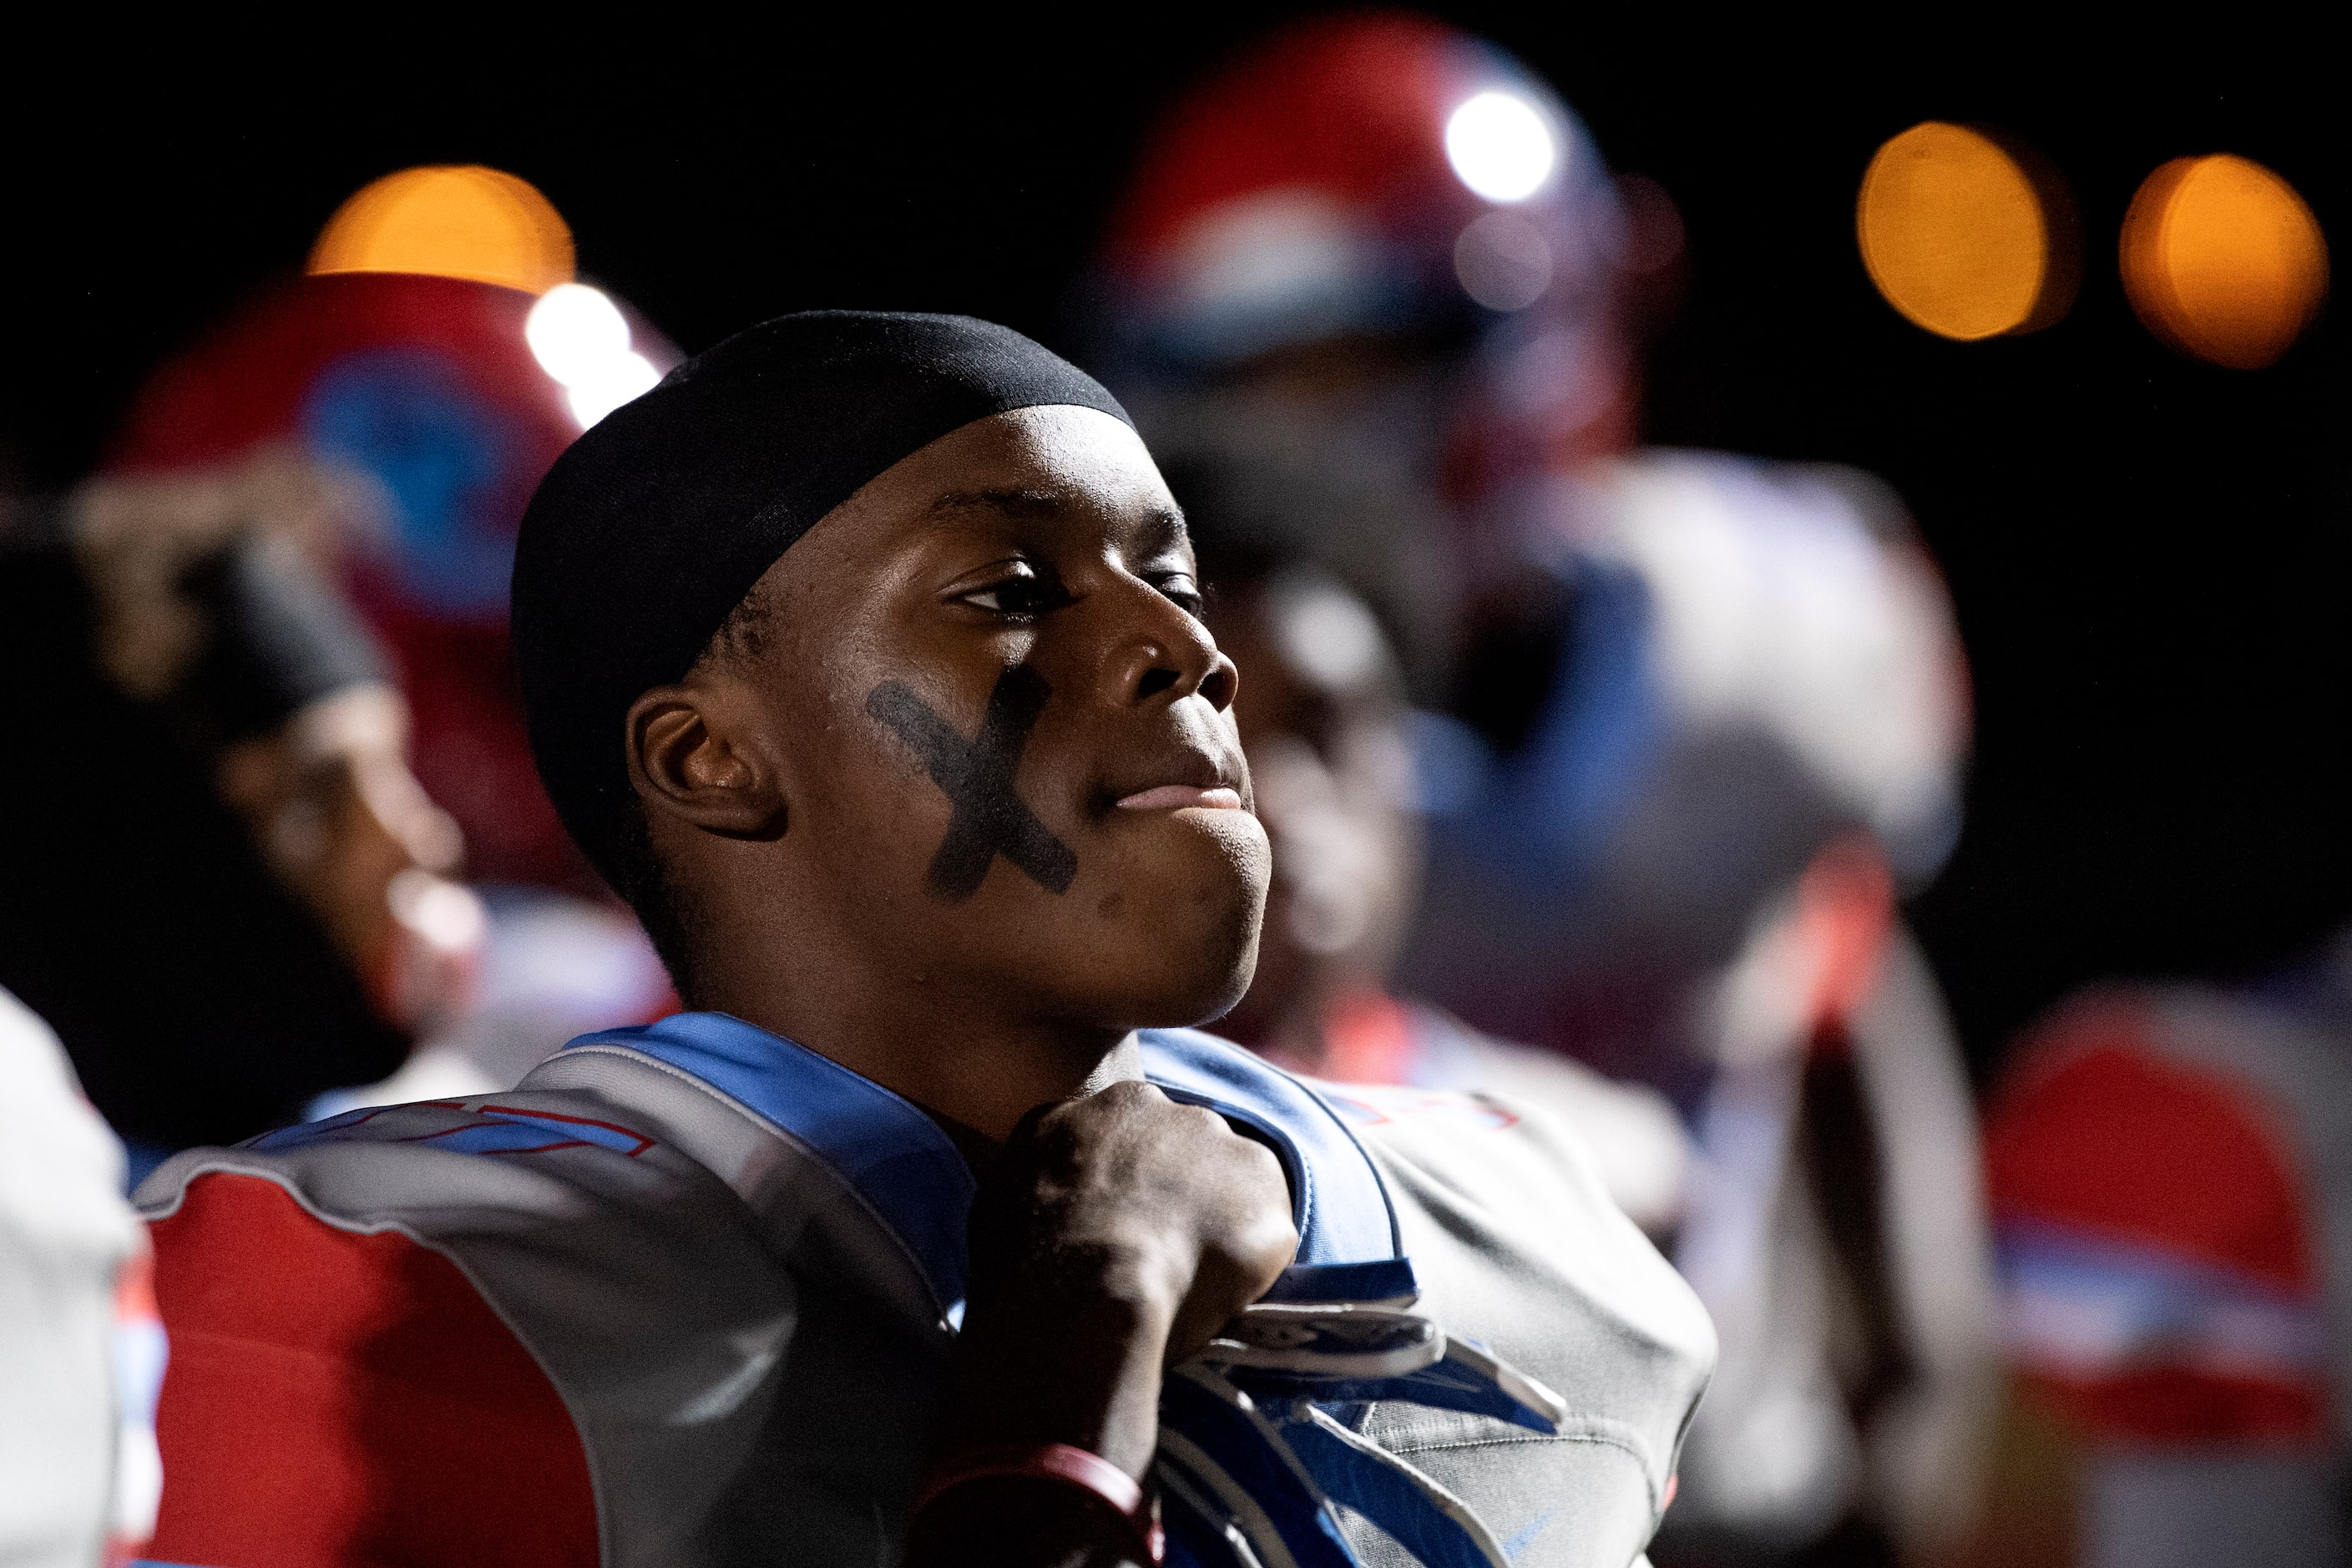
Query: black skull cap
[653,525]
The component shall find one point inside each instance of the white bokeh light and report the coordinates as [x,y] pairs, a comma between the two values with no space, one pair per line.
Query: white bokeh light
[1503,262]
[614,381]
[1501,146]
[572,328]
[581,339]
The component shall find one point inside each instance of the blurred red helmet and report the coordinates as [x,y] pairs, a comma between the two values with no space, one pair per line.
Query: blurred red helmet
[1363,174]
[440,392]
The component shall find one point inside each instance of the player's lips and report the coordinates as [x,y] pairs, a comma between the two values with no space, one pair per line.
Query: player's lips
[1174,797]
[1176,778]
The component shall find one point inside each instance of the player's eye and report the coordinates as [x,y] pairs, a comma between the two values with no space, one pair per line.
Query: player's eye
[1180,590]
[1021,594]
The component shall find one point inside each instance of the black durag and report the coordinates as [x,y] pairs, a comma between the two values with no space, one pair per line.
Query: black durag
[655,524]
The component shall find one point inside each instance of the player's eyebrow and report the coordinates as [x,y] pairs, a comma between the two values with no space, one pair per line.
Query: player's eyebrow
[1163,530]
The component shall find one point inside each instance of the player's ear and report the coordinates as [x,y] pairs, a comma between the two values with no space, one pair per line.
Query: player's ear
[689,757]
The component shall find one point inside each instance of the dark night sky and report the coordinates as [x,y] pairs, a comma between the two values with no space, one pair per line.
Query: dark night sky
[2149,557]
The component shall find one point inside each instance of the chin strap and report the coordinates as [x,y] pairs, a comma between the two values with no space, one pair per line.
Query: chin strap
[1255,1451]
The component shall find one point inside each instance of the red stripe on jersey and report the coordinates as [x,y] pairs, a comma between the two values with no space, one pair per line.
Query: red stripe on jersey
[335,1397]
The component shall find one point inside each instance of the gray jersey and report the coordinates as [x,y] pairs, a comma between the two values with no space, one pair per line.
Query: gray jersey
[739,1268]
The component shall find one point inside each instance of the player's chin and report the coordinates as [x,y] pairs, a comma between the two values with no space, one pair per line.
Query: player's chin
[1186,930]
[1198,986]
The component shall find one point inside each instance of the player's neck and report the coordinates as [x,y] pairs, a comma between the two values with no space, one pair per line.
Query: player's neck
[960,1051]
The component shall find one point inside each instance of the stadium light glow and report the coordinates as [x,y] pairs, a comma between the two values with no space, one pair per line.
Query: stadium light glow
[449,221]
[2222,261]
[1961,237]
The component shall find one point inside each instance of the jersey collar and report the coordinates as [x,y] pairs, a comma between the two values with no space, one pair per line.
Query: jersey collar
[917,1183]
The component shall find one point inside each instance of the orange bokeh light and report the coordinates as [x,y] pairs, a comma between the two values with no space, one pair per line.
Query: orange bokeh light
[450,221]
[1966,234]
[2222,261]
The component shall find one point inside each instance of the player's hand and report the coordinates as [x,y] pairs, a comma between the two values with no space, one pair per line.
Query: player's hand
[1117,1235]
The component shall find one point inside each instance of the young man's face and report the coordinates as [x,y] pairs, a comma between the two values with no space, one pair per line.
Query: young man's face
[1001,737]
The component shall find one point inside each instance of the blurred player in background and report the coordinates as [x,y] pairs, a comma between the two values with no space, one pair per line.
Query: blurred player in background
[417,359]
[1693,721]
[2171,1178]
[292,583]
[222,885]
[1325,726]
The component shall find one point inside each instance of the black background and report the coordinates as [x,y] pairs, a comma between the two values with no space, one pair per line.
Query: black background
[2150,556]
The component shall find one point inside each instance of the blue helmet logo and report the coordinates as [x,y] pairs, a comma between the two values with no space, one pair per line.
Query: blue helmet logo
[406,417]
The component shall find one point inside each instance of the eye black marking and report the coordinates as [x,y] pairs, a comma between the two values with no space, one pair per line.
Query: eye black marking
[976,775]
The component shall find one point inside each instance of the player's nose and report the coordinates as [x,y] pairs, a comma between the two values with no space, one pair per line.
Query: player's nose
[1155,652]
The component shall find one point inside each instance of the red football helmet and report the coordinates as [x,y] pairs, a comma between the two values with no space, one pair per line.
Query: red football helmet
[441,394]
[1378,176]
